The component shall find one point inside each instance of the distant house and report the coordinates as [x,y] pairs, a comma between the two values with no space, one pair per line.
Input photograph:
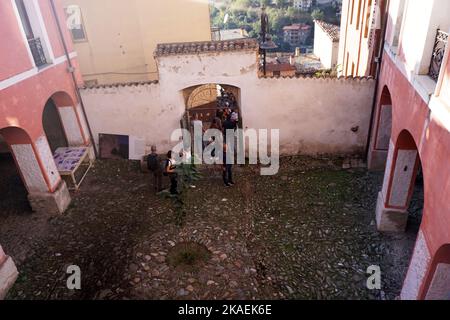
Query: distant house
[296,34]
[280,69]
[326,43]
[303,5]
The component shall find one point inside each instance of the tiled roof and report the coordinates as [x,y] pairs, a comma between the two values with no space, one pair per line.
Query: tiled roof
[121,84]
[271,67]
[333,31]
[168,49]
[297,26]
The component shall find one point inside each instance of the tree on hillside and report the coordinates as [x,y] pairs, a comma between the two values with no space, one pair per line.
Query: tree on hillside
[317,14]
[281,4]
[266,3]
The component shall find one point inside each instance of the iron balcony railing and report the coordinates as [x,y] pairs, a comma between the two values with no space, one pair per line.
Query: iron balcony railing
[440,45]
[37,51]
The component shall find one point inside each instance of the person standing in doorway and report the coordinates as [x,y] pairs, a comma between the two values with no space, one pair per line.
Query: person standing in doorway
[154,165]
[170,171]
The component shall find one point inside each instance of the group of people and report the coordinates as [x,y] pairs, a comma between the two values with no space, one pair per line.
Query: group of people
[225,119]
[160,168]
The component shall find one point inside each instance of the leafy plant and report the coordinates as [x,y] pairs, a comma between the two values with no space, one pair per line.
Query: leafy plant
[187,175]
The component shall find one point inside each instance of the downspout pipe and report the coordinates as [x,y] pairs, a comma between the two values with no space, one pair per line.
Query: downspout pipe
[379,61]
[71,70]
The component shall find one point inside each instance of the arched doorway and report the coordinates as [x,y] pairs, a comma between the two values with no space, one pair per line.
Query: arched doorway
[382,133]
[403,183]
[53,126]
[205,100]
[13,192]
[437,286]
[400,210]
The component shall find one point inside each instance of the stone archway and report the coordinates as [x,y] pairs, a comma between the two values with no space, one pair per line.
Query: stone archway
[382,133]
[437,286]
[204,100]
[62,121]
[402,168]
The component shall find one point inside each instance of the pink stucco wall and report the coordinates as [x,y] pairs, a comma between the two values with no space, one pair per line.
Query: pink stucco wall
[410,112]
[13,56]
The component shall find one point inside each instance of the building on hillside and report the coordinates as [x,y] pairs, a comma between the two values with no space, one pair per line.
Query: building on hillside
[296,34]
[303,5]
[280,69]
[326,43]
[361,25]
[115,40]
[39,106]
[229,34]
[410,137]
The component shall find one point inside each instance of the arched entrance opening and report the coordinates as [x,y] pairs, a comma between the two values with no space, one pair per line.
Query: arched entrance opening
[402,191]
[13,190]
[382,133]
[400,209]
[204,101]
[437,286]
[53,127]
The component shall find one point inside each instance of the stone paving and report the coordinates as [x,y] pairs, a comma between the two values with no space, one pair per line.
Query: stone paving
[307,233]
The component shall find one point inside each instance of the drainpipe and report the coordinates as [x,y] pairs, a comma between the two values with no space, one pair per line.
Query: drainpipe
[378,61]
[72,72]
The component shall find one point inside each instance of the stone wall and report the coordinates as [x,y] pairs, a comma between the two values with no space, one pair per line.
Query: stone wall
[314,115]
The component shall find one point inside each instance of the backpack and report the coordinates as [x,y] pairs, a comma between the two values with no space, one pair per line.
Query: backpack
[153,163]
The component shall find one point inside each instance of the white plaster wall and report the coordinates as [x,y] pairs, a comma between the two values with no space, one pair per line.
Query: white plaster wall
[314,115]
[29,167]
[324,48]
[71,126]
[388,170]
[420,23]
[83,121]
[403,175]
[384,128]
[46,156]
[136,111]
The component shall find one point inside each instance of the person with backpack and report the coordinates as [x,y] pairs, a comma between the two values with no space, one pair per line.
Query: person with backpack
[154,165]
[170,171]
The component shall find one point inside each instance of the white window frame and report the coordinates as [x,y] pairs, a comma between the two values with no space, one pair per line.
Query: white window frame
[38,27]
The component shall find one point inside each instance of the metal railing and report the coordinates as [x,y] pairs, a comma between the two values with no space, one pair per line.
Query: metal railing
[440,45]
[37,51]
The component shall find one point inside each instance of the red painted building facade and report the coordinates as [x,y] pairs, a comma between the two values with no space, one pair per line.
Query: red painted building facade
[411,137]
[38,71]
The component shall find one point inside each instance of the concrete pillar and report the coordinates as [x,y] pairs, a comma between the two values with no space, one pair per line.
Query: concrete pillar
[47,192]
[72,126]
[8,273]
[55,197]
[418,267]
[398,186]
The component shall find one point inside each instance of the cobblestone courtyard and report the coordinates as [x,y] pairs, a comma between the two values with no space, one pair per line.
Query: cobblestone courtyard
[307,233]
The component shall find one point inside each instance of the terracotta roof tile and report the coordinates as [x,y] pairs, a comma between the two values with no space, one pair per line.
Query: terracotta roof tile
[168,49]
[333,31]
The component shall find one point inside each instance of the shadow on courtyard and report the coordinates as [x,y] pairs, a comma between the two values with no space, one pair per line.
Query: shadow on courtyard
[307,233]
